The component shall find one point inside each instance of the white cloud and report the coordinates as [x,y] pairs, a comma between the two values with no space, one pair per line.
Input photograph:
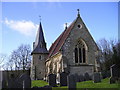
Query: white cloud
[27,28]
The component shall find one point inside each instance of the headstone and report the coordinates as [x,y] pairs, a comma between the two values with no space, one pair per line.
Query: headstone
[91,77]
[3,79]
[52,80]
[97,77]
[87,77]
[76,77]
[81,78]
[11,82]
[115,71]
[25,80]
[63,79]
[71,82]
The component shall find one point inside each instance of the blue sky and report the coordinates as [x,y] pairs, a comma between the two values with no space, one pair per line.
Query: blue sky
[20,21]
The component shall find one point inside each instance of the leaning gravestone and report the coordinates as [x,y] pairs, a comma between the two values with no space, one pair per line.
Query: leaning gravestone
[97,77]
[81,78]
[63,79]
[87,77]
[52,80]
[71,82]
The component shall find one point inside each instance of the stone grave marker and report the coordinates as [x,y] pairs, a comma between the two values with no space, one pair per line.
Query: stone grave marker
[63,79]
[115,71]
[97,77]
[11,82]
[81,78]
[86,76]
[3,79]
[25,81]
[76,77]
[71,82]
[52,80]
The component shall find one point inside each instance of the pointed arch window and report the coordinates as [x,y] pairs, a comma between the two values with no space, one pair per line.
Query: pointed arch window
[80,52]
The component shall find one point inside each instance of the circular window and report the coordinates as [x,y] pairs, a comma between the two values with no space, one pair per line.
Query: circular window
[79,26]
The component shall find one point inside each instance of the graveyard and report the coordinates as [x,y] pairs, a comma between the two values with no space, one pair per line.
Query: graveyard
[99,80]
[81,85]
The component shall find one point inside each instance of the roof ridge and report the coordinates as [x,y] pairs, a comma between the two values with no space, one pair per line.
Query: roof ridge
[59,40]
[56,46]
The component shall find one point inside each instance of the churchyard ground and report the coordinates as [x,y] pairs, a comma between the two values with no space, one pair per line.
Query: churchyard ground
[86,84]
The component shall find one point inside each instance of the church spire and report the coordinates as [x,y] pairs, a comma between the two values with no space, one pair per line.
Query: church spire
[40,44]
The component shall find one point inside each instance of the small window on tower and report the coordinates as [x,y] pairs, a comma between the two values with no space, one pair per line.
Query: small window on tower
[40,57]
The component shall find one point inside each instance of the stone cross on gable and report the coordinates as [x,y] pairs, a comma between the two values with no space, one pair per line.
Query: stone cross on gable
[78,12]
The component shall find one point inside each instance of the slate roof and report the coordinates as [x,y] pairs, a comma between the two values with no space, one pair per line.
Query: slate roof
[56,46]
[39,39]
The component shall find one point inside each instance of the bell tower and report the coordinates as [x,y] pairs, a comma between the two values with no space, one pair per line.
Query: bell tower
[39,55]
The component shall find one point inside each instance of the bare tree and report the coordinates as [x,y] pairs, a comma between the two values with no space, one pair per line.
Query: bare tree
[21,57]
[2,58]
[106,46]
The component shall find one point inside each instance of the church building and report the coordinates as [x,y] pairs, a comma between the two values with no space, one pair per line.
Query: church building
[73,52]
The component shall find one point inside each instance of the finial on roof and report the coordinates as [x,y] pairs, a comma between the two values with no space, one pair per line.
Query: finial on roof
[40,18]
[65,25]
[78,12]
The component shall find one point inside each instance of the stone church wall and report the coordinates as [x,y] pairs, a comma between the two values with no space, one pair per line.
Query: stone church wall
[69,45]
[81,69]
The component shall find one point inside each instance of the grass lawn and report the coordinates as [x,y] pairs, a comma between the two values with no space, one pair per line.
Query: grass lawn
[81,85]
[103,84]
[39,83]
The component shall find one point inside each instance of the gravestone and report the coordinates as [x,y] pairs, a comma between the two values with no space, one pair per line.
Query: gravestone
[115,71]
[11,82]
[81,78]
[63,79]
[71,82]
[52,80]
[86,76]
[25,81]
[76,77]
[97,77]
[3,79]
[91,77]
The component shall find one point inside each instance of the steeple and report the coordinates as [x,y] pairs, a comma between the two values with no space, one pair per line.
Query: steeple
[39,46]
